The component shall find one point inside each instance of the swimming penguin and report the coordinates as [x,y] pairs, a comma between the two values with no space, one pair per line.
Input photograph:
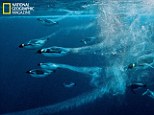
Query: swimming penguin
[40,73]
[47,21]
[34,43]
[139,66]
[135,86]
[131,66]
[54,51]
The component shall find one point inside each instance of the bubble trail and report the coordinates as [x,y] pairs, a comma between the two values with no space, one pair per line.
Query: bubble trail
[55,51]
[93,72]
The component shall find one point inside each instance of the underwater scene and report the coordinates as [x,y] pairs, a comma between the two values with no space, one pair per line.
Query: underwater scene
[77,57]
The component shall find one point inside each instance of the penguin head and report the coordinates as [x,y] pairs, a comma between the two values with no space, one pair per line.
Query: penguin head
[39,19]
[41,51]
[21,45]
[29,72]
[39,64]
[131,66]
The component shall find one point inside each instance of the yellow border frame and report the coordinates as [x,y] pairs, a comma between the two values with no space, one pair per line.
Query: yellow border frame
[9,12]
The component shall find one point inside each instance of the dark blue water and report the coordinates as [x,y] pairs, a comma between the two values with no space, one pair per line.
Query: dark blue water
[19,91]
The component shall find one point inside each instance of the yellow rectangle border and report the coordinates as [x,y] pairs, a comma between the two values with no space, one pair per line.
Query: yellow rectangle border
[9,12]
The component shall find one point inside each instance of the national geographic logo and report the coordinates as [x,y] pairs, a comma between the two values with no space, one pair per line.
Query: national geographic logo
[17,8]
[6,8]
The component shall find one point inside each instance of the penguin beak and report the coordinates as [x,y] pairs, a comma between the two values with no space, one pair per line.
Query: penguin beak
[39,51]
[28,72]
[21,45]
[39,64]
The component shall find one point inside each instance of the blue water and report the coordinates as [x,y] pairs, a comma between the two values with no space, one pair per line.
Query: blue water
[19,91]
